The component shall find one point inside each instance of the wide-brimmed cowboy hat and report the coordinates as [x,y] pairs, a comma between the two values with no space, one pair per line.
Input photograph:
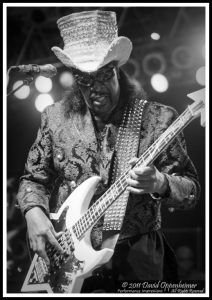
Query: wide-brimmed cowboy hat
[91,41]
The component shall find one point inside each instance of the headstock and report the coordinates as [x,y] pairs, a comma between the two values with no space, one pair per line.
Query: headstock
[198,107]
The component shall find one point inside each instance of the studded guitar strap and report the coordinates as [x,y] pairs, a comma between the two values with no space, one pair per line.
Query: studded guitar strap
[126,148]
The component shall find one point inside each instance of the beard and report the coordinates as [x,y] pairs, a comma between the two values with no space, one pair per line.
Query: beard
[73,101]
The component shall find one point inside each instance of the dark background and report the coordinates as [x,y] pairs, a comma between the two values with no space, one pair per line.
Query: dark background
[32,31]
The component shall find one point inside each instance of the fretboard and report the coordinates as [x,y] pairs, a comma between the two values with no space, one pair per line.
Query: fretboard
[94,213]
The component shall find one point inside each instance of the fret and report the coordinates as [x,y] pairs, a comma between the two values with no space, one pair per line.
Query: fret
[115,191]
[125,177]
[90,210]
[163,143]
[166,139]
[150,152]
[107,202]
[76,230]
[153,149]
[156,148]
[96,213]
[111,198]
[105,198]
[104,205]
[123,183]
[180,123]
[119,186]
[142,160]
[145,157]
[92,216]
[87,215]
[93,206]
[79,227]
[89,221]
[99,207]
[186,116]
[106,194]
[172,133]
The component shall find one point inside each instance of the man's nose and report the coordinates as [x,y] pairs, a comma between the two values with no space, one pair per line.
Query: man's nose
[97,85]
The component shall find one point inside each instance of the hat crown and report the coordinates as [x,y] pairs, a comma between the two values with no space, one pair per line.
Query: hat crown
[88,34]
[91,41]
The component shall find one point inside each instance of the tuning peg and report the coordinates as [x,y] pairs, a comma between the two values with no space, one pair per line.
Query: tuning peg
[199,96]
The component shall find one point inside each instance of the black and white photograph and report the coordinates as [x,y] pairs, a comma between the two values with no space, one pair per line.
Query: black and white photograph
[105,149]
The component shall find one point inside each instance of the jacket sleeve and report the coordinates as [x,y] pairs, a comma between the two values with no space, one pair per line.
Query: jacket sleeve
[36,183]
[183,183]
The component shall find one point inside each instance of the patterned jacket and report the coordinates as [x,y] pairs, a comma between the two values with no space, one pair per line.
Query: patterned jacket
[67,151]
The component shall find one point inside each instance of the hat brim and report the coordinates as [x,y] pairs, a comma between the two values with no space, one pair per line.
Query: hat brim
[119,50]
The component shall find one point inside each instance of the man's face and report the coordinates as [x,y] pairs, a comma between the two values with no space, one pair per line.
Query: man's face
[100,90]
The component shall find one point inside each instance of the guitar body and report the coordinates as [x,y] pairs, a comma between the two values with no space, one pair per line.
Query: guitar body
[68,272]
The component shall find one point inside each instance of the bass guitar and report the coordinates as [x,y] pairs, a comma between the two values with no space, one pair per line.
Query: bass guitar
[75,219]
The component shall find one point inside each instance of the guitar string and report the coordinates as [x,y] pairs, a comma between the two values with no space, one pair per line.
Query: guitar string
[93,213]
[183,119]
[181,122]
[147,153]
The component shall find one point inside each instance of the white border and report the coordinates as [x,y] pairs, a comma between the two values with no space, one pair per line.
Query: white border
[5,5]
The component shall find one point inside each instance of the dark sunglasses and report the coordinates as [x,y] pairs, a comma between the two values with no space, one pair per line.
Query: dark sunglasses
[86,79]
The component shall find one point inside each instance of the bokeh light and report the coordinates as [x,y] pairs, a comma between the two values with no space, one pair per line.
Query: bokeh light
[200,75]
[66,79]
[43,84]
[159,82]
[182,57]
[23,92]
[155,36]
[42,101]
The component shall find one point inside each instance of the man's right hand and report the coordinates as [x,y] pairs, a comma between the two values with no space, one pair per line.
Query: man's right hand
[41,230]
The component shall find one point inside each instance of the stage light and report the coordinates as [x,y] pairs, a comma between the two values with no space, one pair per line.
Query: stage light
[153,63]
[66,79]
[159,82]
[23,92]
[155,36]
[200,76]
[182,57]
[42,101]
[132,68]
[43,84]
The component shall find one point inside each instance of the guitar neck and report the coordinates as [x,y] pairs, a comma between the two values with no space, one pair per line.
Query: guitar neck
[93,214]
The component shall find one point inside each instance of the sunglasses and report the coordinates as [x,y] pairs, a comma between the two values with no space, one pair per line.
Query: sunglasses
[103,75]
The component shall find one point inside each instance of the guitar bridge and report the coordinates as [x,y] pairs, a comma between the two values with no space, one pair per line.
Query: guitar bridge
[56,257]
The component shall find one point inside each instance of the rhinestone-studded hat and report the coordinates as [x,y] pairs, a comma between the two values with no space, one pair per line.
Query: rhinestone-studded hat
[91,41]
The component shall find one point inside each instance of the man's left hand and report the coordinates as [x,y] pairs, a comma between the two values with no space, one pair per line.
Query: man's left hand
[143,180]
